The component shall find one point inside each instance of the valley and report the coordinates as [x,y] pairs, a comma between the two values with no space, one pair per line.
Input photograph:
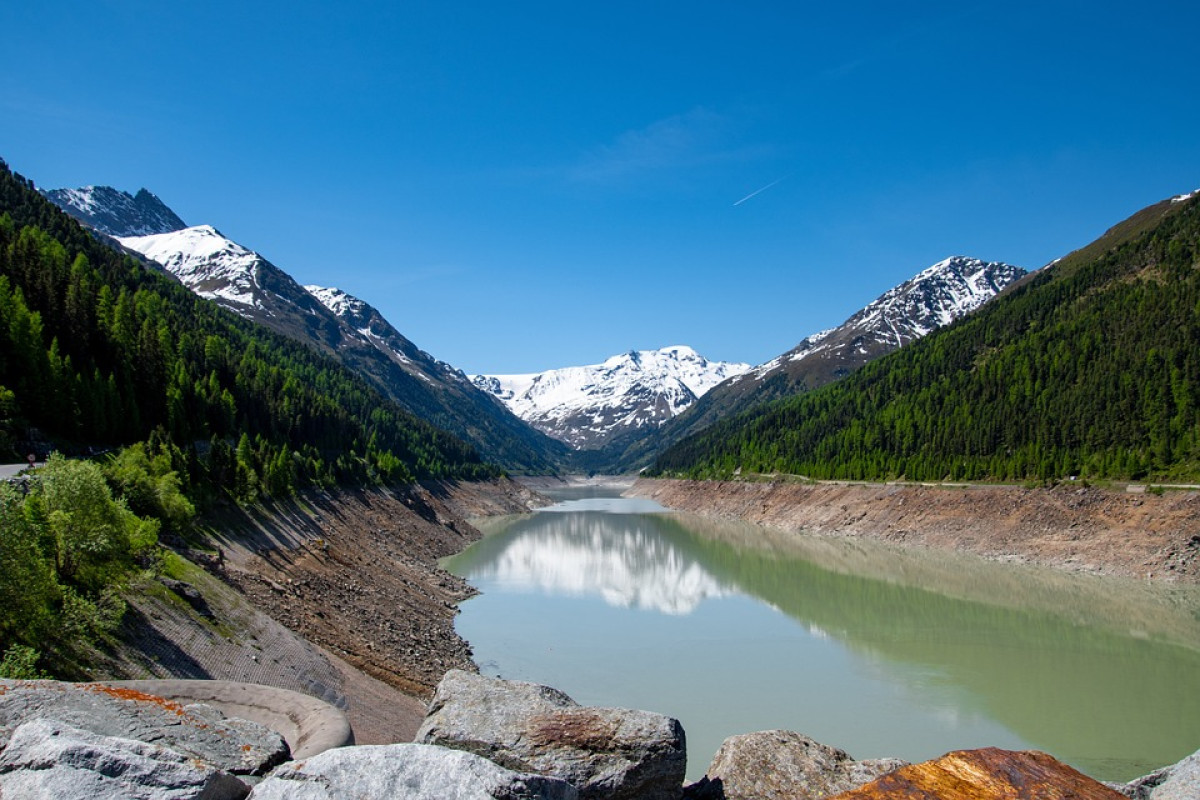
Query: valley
[336,465]
[803,389]
[608,417]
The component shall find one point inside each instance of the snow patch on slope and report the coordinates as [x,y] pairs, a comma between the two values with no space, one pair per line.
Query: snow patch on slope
[337,301]
[204,261]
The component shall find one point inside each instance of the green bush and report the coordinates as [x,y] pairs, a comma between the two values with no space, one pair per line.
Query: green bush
[150,486]
[20,663]
[67,551]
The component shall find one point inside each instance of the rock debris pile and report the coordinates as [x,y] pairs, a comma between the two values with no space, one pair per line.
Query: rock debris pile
[483,738]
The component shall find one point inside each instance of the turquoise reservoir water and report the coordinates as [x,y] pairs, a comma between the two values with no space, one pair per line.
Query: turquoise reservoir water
[881,651]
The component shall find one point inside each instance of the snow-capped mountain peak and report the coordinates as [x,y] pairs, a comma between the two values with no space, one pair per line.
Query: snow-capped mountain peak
[589,406]
[117,213]
[206,262]
[934,297]
[937,296]
[333,322]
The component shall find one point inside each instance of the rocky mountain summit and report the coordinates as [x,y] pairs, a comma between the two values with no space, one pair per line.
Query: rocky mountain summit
[931,299]
[588,407]
[117,213]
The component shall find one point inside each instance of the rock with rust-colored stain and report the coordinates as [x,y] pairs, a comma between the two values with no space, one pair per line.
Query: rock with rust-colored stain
[608,753]
[784,765]
[985,774]
[198,731]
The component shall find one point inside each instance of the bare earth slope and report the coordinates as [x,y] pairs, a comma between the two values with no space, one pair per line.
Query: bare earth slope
[356,572]
[1087,529]
[335,594]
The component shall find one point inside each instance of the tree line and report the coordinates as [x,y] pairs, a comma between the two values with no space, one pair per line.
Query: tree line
[1088,368]
[178,402]
[98,349]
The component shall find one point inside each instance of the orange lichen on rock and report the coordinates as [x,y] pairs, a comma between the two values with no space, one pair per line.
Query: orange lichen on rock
[985,774]
[122,693]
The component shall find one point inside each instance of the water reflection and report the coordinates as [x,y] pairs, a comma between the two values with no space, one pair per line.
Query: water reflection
[625,560]
[878,650]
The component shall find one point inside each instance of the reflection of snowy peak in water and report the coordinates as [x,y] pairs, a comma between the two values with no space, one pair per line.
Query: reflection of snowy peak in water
[626,564]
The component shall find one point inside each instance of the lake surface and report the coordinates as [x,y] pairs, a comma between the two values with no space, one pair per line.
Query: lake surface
[880,651]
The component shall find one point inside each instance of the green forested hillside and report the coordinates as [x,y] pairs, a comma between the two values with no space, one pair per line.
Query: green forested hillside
[97,349]
[1089,367]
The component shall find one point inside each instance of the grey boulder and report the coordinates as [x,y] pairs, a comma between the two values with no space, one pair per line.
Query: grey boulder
[603,752]
[1179,781]
[409,771]
[200,731]
[784,764]
[47,759]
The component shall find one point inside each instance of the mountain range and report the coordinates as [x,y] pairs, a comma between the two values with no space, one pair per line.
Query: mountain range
[101,350]
[243,281]
[931,299]
[588,407]
[1088,367]
[612,416]
[674,404]
[618,414]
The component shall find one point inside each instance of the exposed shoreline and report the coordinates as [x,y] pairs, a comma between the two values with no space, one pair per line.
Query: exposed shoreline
[1069,527]
[356,572]
[335,593]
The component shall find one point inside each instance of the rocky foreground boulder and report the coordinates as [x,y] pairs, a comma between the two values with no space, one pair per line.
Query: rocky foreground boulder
[55,761]
[784,765]
[201,732]
[985,774]
[1179,781]
[610,753]
[409,771]
[511,741]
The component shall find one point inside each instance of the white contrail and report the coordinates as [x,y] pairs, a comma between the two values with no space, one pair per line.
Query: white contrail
[758,191]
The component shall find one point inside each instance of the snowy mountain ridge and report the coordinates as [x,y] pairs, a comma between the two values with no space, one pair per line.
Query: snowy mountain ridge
[207,263]
[117,213]
[936,296]
[374,329]
[330,320]
[931,299]
[588,406]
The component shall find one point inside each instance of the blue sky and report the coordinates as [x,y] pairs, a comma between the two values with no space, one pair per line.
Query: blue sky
[520,186]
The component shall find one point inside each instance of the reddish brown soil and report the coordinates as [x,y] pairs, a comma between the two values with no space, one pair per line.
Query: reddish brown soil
[1087,529]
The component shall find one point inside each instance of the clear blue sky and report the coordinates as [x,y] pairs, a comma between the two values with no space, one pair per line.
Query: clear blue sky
[520,186]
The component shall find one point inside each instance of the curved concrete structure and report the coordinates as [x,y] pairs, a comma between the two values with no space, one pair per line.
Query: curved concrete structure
[309,725]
